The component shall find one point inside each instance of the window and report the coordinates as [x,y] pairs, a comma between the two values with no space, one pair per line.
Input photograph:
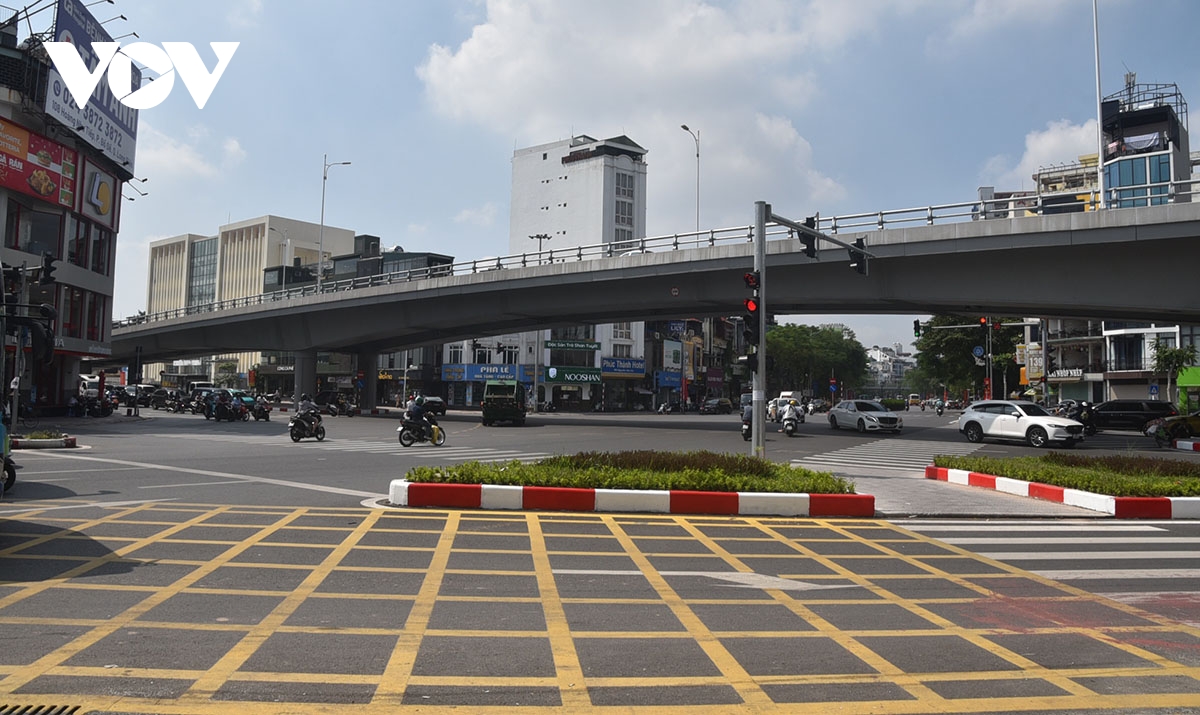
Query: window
[622,331]
[625,185]
[33,231]
[202,283]
[455,353]
[101,247]
[511,354]
[78,234]
[622,350]
[624,213]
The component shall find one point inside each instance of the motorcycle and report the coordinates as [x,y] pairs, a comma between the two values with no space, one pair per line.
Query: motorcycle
[262,411]
[746,430]
[1158,430]
[412,431]
[301,428]
[789,426]
[940,409]
[1083,413]
[99,407]
[342,407]
[10,475]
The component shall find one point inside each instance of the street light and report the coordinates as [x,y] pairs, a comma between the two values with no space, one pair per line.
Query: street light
[540,237]
[287,246]
[321,237]
[696,136]
[407,367]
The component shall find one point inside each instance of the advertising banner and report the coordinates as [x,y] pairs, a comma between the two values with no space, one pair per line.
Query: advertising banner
[672,355]
[106,124]
[622,367]
[98,198]
[572,345]
[475,372]
[37,166]
[715,379]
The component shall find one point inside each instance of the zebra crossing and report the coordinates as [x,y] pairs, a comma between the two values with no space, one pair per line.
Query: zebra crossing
[1153,565]
[445,453]
[888,453]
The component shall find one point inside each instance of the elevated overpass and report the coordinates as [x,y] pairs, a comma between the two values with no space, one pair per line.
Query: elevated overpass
[1135,264]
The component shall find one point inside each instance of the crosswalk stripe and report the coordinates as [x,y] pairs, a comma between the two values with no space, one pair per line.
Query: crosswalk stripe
[891,453]
[425,451]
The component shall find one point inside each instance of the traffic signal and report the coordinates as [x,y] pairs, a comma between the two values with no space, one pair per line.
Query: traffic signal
[750,362]
[858,259]
[809,241]
[916,328]
[996,324]
[39,332]
[48,267]
[753,305]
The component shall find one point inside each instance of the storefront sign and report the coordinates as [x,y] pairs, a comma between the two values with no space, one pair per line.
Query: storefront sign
[577,375]
[623,367]
[714,378]
[572,345]
[483,372]
[98,195]
[676,326]
[1069,373]
[667,378]
[34,165]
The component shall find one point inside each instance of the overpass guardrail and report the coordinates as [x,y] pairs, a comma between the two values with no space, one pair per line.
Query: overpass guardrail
[1015,205]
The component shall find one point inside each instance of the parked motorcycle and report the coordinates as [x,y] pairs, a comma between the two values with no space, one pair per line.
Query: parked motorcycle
[301,428]
[262,411]
[411,431]
[342,407]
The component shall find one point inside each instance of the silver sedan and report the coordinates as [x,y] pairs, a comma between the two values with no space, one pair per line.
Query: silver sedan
[865,416]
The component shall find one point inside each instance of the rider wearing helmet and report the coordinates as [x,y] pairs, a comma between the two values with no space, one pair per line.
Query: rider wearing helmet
[419,414]
[792,411]
[305,410]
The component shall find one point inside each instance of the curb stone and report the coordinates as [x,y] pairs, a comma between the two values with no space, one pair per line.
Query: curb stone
[53,443]
[492,496]
[1119,507]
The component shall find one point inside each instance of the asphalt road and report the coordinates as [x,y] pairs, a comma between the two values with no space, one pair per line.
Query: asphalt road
[173,565]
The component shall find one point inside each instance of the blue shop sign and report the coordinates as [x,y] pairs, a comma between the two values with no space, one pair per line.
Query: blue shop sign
[667,378]
[623,366]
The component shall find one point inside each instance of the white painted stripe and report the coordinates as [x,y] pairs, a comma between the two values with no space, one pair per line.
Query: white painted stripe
[656,501]
[498,496]
[1087,500]
[1118,574]
[773,504]
[1064,540]
[1100,525]
[958,476]
[1088,555]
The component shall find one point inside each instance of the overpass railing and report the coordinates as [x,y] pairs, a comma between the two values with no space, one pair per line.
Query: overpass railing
[1013,206]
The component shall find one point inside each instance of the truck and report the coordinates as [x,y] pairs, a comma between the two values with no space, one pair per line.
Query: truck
[504,401]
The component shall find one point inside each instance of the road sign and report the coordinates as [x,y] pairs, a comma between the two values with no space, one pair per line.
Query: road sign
[977,351]
[832,388]
[1154,389]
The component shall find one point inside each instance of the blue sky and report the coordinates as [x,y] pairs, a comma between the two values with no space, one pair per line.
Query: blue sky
[836,106]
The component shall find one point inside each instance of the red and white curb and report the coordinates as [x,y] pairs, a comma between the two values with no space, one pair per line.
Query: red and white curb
[1187,445]
[492,496]
[1120,507]
[26,443]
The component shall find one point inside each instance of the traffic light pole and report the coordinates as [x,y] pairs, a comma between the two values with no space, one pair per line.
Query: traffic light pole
[758,437]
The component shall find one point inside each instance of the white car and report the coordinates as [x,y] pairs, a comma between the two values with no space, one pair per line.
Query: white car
[1017,420]
[865,416]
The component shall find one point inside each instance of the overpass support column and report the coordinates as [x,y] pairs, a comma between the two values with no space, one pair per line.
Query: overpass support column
[368,365]
[306,373]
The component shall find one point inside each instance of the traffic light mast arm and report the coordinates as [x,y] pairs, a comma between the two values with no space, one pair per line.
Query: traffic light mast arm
[806,231]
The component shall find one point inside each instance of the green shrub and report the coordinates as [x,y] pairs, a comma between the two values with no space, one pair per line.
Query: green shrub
[686,471]
[1118,476]
[894,404]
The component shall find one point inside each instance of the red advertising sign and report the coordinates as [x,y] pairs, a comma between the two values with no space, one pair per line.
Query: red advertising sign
[34,165]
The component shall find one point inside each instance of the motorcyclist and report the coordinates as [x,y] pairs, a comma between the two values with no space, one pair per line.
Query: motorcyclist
[306,411]
[420,415]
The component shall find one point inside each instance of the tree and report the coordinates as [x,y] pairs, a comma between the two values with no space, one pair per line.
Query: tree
[806,356]
[1171,361]
[227,374]
[945,354]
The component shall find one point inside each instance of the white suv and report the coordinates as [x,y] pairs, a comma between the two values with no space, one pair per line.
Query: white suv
[1017,420]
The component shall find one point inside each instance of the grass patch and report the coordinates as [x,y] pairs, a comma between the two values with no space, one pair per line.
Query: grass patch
[688,471]
[1117,476]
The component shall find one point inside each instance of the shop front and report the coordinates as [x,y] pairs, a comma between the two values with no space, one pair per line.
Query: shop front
[574,389]
[465,381]
[667,384]
[621,385]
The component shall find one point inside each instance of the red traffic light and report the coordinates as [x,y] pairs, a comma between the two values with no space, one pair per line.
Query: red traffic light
[751,278]
[996,325]
[983,322]
[751,305]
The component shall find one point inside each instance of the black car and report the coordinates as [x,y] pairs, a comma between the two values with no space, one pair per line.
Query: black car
[1130,414]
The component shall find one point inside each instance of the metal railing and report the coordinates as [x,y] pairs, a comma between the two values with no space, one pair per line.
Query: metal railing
[990,209]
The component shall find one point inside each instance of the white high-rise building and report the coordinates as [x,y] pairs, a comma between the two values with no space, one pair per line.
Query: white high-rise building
[578,192]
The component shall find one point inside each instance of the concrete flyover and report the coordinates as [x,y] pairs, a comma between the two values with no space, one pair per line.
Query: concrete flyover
[1123,264]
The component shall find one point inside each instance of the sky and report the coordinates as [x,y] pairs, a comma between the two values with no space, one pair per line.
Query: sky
[829,106]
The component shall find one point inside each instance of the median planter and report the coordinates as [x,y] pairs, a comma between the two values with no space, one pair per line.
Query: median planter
[495,496]
[43,443]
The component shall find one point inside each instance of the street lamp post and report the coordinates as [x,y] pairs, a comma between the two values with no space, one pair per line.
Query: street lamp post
[696,136]
[321,235]
[540,237]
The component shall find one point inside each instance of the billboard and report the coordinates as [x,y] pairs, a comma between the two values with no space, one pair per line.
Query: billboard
[99,195]
[105,123]
[37,166]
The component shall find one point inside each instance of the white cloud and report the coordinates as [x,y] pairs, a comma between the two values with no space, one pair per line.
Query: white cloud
[989,17]
[1061,142]
[232,152]
[245,14]
[483,216]
[159,154]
